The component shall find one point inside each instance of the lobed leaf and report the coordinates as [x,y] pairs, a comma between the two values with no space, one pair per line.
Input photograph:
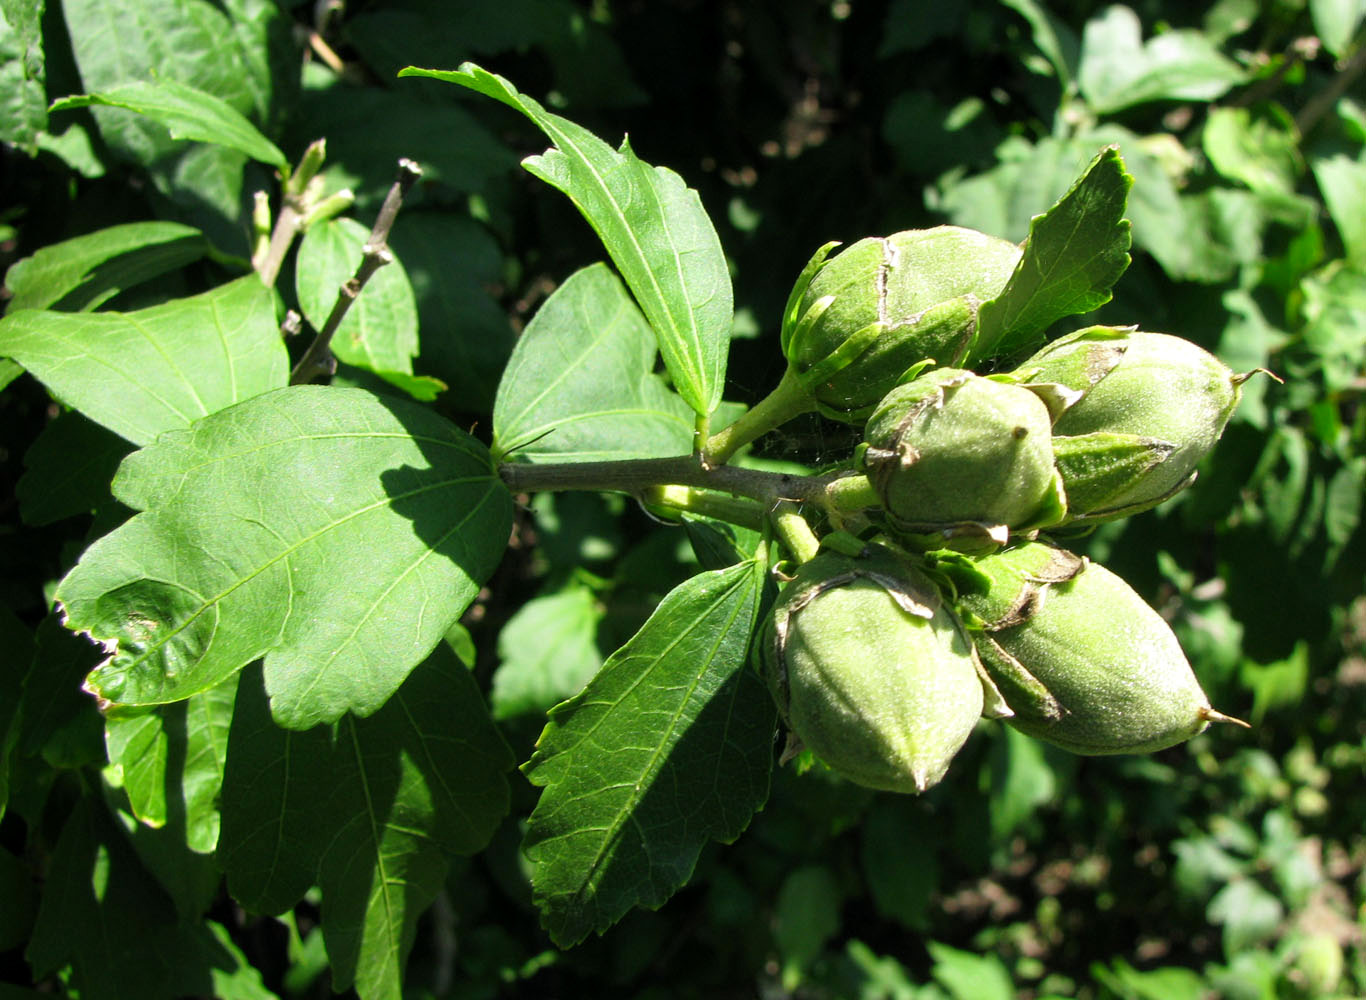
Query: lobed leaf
[669,746]
[547,652]
[1075,253]
[654,229]
[187,113]
[580,384]
[82,273]
[157,369]
[336,533]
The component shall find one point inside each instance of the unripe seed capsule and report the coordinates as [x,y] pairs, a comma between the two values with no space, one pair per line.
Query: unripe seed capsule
[960,460]
[1077,654]
[872,672]
[1151,387]
[874,312]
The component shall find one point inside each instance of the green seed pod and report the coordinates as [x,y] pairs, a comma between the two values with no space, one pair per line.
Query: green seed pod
[1148,408]
[872,672]
[859,323]
[960,460]
[1080,658]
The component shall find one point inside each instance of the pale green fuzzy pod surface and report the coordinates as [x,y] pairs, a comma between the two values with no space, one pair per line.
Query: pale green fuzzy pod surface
[1081,659]
[1151,385]
[952,448]
[885,304]
[872,672]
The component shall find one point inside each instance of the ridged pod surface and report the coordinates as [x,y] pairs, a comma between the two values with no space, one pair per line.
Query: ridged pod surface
[963,459]
[1081,659]
[872,671]
[884,305]
[1149,407]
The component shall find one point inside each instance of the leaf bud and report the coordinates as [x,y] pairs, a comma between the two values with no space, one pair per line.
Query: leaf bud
[865,320]
[1081,659]
[1147,408]
[960,460]
[872,671]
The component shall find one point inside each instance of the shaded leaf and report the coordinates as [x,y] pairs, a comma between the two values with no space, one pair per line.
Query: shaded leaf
[669,746]
[654,229]
[466,337]
[187,113]
[1119,70]
[144,372]
[1248,913]
[548,651]
[580,384]
[806,916]
[334,532]
[84,272]
[1075,252]
[420,780]
[171,761]
[67,469]
[1260,150]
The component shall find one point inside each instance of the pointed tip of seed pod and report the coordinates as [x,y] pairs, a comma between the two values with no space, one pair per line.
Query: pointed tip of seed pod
[1210,715]
[793,747]
[1240,377]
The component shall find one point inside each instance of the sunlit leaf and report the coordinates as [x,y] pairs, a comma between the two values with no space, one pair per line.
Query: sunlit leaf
[334,532]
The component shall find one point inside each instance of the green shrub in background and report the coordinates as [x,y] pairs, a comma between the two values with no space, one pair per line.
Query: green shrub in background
[140,846]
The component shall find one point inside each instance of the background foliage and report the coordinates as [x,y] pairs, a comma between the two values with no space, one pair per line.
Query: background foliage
[1231,866]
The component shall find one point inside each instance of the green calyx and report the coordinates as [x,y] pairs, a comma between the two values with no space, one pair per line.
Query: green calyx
[1147,408]
[1078,656]
[960,461]
[862,322]
[871,670]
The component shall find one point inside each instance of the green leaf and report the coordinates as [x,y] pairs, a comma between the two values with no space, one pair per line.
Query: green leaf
[1260,150]
[171,761]
[669,746]
[18,644]
[1021,781]
[191,879]
[17,889]
[1336,22]
[156,369]
[806,916]
[1119,70]
[23,112]
[1052,36]
[274,783]
[373,815]
[421,780]
[1343,183]
[67,470]
[118,42]
[1334,311]
[451,262]
[654,229]
[1075,253]
[187,113]
[379,333]
[334,532]
[457,153]
[1249,914]
[900,866]
[548,652]
[83,273]
[580,385]
[104,916]
[970,977]
[1171,983]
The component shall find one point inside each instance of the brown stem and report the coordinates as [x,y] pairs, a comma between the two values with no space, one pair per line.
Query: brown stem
[317,361]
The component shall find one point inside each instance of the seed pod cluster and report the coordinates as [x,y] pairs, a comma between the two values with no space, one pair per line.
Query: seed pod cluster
[881,663]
